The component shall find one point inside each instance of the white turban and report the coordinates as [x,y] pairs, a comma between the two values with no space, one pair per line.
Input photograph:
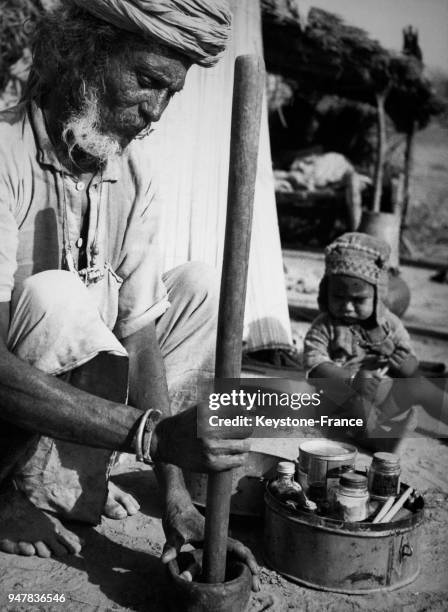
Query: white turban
[198,29]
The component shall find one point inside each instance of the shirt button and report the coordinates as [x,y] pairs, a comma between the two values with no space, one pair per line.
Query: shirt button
[79,243]
[80,186]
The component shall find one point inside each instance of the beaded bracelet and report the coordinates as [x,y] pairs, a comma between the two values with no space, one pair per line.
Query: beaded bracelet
[147,425]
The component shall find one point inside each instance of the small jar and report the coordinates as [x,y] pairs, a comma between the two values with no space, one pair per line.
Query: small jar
[334,476]
[384,475]
[352,498]
[284,487]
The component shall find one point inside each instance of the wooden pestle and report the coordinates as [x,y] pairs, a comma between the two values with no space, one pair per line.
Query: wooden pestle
[249,83]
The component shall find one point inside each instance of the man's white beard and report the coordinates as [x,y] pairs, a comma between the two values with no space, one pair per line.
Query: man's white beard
[81,130]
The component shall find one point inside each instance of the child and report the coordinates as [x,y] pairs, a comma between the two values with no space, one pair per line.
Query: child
[361,348]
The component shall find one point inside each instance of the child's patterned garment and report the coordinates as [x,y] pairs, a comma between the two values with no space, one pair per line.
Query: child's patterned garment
[352,346]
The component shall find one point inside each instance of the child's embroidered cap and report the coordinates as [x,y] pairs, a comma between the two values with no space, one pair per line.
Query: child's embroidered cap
[360,256]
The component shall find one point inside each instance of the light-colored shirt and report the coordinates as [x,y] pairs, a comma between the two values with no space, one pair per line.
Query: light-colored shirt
[351,346]
[122,221]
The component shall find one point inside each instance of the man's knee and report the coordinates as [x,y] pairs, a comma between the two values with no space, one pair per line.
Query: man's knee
[54,292]
[199,282]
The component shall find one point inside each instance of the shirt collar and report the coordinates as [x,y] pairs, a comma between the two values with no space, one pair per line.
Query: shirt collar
[46,154]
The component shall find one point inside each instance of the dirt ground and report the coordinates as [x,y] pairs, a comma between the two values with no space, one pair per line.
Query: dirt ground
[119,566]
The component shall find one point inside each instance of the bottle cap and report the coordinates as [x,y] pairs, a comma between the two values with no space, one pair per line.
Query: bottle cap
[351,480]
[286,467]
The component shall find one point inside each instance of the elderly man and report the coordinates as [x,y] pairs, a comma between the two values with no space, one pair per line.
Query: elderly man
[82,301]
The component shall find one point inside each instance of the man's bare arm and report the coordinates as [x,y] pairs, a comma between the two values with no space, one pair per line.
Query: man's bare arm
[44,404]
[147,378]
[148,389]
[38,402]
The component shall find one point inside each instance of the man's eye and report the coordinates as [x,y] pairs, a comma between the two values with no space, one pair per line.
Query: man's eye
[145,81]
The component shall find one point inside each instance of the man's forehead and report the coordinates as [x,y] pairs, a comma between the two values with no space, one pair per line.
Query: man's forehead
[159,60]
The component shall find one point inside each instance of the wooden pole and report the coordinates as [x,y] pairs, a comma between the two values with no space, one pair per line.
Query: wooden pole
[381,151]
[248,89]
[408,163]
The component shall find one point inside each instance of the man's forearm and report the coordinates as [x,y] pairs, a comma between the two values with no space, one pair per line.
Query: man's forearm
[148,389]
[41,403]
[147,378]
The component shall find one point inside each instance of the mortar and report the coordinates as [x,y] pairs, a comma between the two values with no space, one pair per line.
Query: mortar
[230,596]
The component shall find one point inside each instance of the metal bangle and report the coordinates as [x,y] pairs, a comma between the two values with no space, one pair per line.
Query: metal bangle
[147,424]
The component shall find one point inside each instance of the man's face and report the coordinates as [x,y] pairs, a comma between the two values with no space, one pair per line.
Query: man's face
[350,299]
[129,94]
[139,83]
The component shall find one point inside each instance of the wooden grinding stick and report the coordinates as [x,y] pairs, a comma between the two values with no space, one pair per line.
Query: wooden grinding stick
[249,83]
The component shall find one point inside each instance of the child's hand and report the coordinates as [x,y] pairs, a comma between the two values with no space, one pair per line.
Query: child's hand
[402,361]
[366,383]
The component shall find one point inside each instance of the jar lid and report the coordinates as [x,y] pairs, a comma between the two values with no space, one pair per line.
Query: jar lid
[286,467]
[386,459]
[354,481]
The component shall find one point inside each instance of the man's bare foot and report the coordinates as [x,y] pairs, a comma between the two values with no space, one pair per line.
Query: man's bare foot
[119,504]
[25,530]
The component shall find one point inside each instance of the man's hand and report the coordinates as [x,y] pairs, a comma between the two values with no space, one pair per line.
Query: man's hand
[175,441]
[183,524]
[403,362]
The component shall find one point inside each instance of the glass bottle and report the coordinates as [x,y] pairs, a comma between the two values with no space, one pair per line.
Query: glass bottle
[284,487]
[287,490]
[352,498]
[384,475]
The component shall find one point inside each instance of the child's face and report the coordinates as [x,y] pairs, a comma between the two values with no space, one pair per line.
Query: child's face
[350,299]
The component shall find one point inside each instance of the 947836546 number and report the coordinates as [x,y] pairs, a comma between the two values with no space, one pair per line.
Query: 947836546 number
[36,597]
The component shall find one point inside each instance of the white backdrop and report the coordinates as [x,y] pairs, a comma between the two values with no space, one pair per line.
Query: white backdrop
[191,148]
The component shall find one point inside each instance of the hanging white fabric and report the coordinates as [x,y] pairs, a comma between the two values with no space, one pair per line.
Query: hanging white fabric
[191,150]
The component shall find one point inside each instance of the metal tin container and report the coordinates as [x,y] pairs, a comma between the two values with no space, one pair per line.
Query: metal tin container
[332,555]
[319,459]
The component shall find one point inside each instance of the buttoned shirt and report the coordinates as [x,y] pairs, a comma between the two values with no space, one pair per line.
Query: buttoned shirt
[122,221]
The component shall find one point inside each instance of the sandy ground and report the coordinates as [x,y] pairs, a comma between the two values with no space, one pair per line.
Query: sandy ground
[119,567]
[428,214]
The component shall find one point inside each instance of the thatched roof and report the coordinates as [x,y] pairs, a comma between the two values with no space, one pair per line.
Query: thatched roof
[329,56]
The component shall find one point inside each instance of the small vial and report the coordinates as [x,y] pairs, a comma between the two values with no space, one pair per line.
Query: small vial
[284,487]
[287,490]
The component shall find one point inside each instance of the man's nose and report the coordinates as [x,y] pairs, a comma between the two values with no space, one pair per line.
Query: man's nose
[158,104]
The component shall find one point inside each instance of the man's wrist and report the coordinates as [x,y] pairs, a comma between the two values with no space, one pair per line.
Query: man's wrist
[143,438]
[155,442]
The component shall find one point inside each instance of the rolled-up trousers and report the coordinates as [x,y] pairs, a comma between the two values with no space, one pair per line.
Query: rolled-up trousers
[57,328]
